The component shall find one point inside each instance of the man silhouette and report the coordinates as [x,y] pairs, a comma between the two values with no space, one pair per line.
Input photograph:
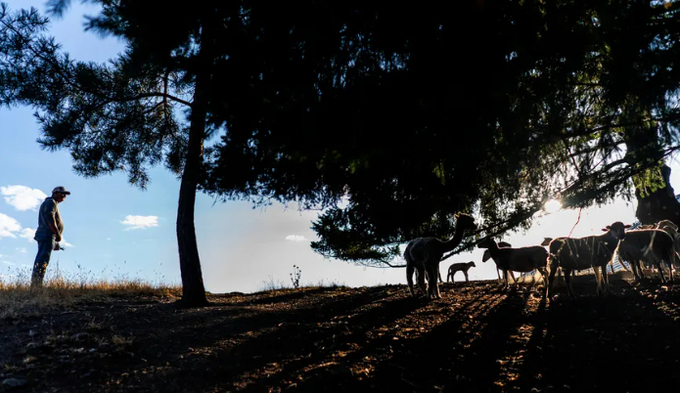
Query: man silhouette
[48,234]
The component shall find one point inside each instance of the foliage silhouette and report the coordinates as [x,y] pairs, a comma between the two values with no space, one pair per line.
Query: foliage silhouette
[389,119]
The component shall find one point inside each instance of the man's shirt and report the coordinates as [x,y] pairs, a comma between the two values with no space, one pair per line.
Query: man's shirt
[48,211]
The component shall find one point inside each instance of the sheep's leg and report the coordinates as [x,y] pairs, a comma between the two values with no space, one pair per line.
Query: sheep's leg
[421,280]
[635,267]
[670,270]
[603,278]
[609,285]
[561,276]
[607,288]
[551,280]
[449,276]
[432,281]
[427,281]
[466,276]
[544,275]
[439,275]
[641,268]
[409,279]
[567,279]
[598,278]
[661,275]
[641,272]
[436,284]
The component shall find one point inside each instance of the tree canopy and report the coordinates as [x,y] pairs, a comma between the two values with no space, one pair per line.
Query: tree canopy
[490,107]
[391,119]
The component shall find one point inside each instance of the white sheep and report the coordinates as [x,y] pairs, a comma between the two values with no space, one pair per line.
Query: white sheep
[487,256]
[587,252]
[459,267]
[655,246]
[521,259]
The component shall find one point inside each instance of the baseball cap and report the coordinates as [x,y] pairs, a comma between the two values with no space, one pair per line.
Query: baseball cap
[61,190]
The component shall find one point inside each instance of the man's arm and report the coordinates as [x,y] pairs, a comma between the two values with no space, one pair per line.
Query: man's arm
[53,227]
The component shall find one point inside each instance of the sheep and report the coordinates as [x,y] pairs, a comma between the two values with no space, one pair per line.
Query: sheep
[522,259]
[584,253]
[487,256]
[672,229]
[667,225]
[459,267]
[651,245]
[424,254]
[546,243]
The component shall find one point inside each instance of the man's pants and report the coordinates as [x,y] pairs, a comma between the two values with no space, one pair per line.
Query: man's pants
[45,247]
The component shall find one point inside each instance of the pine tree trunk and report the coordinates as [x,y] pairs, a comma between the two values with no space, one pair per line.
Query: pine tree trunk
[659,205]
[193,290]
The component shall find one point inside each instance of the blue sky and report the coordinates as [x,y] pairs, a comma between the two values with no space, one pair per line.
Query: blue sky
[115,230]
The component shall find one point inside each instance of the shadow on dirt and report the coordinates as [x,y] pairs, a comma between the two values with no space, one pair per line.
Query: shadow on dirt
[478,338]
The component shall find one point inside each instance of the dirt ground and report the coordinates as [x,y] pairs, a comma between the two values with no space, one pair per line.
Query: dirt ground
[478,338]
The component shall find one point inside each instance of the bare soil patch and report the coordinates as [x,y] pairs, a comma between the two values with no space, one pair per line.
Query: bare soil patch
[479,338]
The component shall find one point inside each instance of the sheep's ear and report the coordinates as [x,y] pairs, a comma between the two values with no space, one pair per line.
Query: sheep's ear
[606,229]
[627,226]
[546,241]
[486,256]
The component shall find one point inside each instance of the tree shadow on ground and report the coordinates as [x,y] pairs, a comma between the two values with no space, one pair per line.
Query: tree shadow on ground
[478,338]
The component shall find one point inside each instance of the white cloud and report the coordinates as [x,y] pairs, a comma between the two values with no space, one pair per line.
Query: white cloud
[22,197]
[28,234]
[9,263]
[8,226]
[140,222]
[21,250]
[296,238]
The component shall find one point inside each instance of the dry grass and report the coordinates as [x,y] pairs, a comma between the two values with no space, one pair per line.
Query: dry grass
[17,299]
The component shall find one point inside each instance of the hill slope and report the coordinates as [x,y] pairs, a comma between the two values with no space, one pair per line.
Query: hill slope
[479,338]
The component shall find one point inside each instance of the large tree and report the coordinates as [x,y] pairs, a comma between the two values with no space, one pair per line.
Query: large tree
[491,108]
[186,74]
[391,118]
[149,105]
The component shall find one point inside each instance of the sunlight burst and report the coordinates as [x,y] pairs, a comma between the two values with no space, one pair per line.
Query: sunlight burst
[552,206]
